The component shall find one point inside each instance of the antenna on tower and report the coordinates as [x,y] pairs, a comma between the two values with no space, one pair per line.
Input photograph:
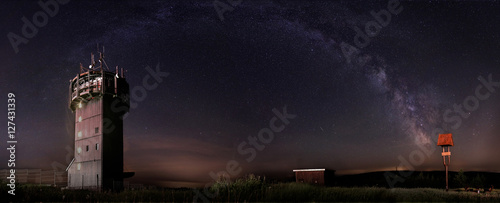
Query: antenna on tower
[92,61]
[101,58]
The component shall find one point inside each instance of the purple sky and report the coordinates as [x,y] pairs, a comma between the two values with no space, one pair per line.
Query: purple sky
[227,76]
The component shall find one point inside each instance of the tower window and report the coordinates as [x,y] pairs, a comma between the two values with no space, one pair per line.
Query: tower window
[79,150]
[80,119]
[87,148]
[79,133]
[96,130]
[97,146]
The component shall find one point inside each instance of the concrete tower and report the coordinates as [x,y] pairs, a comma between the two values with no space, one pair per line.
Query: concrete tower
[99,98]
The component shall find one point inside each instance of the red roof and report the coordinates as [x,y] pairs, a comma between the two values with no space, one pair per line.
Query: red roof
[445,140]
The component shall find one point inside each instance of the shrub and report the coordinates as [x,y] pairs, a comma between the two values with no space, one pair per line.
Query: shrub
[460,180]
[249,188]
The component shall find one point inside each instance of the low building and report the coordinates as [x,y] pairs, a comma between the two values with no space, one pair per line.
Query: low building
[320,176]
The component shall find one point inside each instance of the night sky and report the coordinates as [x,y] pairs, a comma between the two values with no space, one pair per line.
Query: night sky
[361,103]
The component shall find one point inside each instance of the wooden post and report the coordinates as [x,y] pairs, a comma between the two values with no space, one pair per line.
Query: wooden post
[446,178]
[445,141]
[446,153]
[446,165]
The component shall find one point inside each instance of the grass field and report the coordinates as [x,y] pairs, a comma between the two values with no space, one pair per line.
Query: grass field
[251,191]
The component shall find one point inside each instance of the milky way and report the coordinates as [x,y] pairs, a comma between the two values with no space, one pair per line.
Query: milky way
[413,104]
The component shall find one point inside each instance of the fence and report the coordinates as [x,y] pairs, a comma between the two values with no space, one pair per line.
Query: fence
[38,176]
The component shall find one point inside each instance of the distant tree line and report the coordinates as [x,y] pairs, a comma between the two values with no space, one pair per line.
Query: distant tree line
[423,179]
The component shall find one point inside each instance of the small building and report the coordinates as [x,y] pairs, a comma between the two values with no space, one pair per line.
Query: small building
[320,176]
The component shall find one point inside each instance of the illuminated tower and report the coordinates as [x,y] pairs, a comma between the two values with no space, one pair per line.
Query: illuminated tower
[99,98]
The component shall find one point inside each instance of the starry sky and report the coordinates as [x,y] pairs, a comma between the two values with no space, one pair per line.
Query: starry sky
[364,99]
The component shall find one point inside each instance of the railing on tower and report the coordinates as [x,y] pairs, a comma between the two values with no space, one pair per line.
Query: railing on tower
[93,81]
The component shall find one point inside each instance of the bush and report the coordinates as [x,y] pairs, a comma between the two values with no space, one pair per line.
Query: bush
[460,180]
[250,188]
[478,181]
